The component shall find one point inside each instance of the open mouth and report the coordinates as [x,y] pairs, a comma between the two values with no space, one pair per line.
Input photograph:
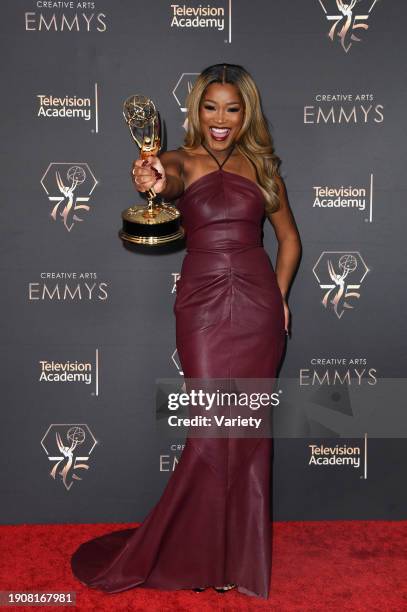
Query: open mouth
[219,133]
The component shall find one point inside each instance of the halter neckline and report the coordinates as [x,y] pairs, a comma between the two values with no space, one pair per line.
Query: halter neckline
[226,158]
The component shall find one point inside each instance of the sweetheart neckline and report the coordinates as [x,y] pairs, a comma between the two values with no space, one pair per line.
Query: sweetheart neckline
[255,185]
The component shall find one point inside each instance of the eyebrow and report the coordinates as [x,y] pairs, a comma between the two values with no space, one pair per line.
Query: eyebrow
[213,101]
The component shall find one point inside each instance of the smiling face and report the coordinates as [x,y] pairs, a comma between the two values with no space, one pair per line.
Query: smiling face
[221,115]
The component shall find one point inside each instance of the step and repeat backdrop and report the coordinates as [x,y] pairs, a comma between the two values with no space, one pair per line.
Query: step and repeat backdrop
[88,325]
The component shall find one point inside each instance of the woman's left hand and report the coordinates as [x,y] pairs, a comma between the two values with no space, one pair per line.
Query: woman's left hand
[287,317]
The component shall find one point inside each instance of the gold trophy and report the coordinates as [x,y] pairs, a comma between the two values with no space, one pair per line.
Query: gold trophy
[153,224]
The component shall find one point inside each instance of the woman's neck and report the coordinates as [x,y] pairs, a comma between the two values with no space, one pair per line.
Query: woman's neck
[219,155]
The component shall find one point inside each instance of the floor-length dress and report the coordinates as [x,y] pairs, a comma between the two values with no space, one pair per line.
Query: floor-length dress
[211,525]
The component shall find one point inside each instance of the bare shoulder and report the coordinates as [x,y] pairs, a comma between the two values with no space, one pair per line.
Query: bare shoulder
[182,163]
[173,162]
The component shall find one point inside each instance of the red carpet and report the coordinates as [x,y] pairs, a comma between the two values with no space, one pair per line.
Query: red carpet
[341,565]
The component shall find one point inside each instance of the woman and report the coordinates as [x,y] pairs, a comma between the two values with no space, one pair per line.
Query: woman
[211,527]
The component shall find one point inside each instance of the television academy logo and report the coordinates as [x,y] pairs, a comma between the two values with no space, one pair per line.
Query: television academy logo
[68,447]
[340,455]
[69,107]
[69,186]
[347,23]
[175,357]
[353,198]
[214,16]
[181,91]
[175,277]
[71,371]
[340,274]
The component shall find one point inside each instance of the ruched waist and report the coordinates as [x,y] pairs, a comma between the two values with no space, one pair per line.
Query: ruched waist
[247,259]
[223,249]
[224,236]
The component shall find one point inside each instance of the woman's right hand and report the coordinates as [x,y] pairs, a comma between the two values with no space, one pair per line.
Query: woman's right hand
[149,173]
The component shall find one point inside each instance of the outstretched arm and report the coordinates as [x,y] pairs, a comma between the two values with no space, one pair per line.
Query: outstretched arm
[169,164]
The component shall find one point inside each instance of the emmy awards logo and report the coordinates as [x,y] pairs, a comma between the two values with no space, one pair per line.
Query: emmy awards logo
[181,91]
[176,361]
[65,441]
[74,183]
[347,23]
[338,269]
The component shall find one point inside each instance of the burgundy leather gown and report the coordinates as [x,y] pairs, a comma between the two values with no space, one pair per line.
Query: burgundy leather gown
[211,525]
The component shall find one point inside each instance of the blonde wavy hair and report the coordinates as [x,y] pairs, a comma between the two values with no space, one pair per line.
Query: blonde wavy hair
[254,140]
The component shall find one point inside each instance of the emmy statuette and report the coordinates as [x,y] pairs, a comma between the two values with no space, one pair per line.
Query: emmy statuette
[153,224]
